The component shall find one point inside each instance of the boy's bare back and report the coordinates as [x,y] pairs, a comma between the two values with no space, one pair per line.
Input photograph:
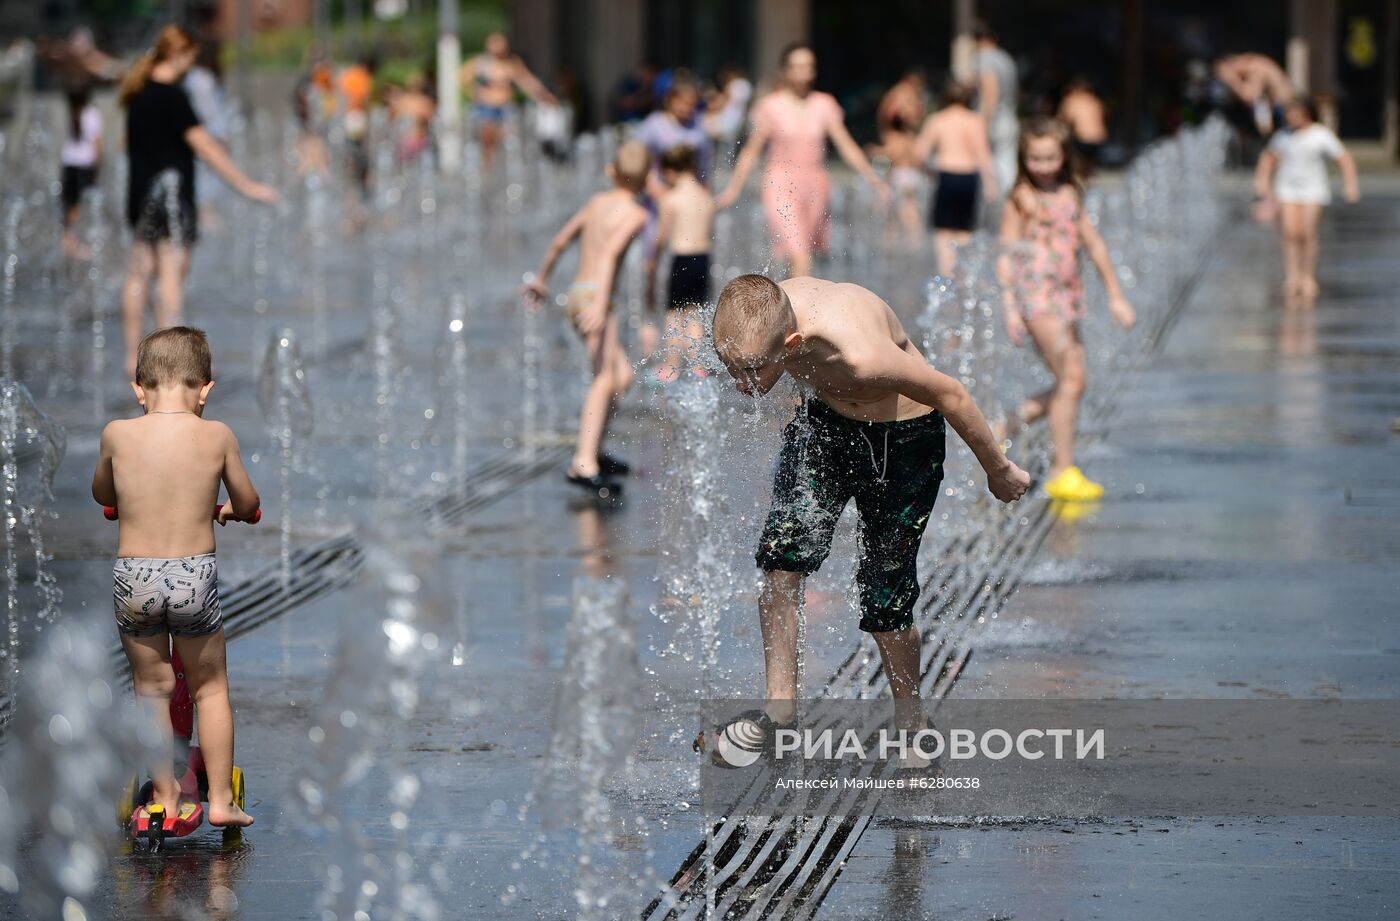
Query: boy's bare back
[689,212]
[167,468]
[609,222]
[845,329]
[958,137]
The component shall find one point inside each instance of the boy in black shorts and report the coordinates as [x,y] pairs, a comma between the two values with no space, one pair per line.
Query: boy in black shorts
[872,430]
[684,227]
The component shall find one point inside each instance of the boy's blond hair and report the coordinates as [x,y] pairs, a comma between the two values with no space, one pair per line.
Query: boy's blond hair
[174,355]
[630,165]
[753,316]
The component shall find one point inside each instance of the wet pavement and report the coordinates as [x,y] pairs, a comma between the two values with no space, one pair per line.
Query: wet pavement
[1247,547]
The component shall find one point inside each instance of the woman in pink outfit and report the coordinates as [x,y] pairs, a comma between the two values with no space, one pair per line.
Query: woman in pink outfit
[793,123]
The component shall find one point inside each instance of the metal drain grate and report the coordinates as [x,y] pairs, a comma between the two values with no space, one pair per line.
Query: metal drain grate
[777,867]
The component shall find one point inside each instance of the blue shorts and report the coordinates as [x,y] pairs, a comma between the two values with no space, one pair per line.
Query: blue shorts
[490,113]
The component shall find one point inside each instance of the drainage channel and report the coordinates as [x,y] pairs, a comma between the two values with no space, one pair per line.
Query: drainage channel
[334,563]
[783,867]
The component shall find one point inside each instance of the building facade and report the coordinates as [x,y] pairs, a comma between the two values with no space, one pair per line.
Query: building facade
[1141,56]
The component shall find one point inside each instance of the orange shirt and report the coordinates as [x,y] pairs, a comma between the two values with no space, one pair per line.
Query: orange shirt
[356,85]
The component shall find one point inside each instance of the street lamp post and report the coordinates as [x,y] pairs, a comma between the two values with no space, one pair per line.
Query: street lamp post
[449,56]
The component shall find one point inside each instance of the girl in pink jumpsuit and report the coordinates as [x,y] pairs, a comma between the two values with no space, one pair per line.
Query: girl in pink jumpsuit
[794,122]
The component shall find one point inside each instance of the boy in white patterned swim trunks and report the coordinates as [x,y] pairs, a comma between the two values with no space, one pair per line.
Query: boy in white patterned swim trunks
[163,471]
[605,227]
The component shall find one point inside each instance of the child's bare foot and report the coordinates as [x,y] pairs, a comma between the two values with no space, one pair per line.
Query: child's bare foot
[228,815]
[169,798]
[1005,428]
[1307,287]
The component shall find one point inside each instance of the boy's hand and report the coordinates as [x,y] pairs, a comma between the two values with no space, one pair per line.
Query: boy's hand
[1351,194]
[535,291]
[1008,482]
[225,513]
[725,199]
[1122,311]
[1015,326]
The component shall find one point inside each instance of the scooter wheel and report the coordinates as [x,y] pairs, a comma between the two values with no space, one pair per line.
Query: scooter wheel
[126,802]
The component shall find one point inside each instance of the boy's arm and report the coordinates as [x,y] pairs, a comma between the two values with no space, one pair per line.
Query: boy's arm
[1118,306]
[748,158]
[104,483]
[539,286]
[243,499]
[909,374]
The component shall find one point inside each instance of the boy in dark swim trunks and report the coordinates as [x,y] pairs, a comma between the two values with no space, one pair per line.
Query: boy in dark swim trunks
[684,226]
[873,430]
[958,136]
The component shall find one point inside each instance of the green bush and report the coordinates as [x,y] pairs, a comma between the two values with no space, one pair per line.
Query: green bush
[404,45]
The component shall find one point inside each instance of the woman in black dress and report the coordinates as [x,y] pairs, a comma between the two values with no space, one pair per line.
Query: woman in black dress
[163,136]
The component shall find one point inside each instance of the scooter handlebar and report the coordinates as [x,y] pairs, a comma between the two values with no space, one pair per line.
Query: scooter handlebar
[110,513]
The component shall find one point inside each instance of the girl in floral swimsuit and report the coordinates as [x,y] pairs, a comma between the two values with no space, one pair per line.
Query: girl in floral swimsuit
[1043,229]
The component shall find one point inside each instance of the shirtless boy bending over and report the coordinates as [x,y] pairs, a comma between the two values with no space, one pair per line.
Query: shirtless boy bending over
[872,430]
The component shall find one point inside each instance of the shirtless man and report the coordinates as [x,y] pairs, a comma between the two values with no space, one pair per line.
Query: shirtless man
[958,136]
[1258,82]
[491,79]
[873,429]
[606,226]
[1082,109]
[998,88]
